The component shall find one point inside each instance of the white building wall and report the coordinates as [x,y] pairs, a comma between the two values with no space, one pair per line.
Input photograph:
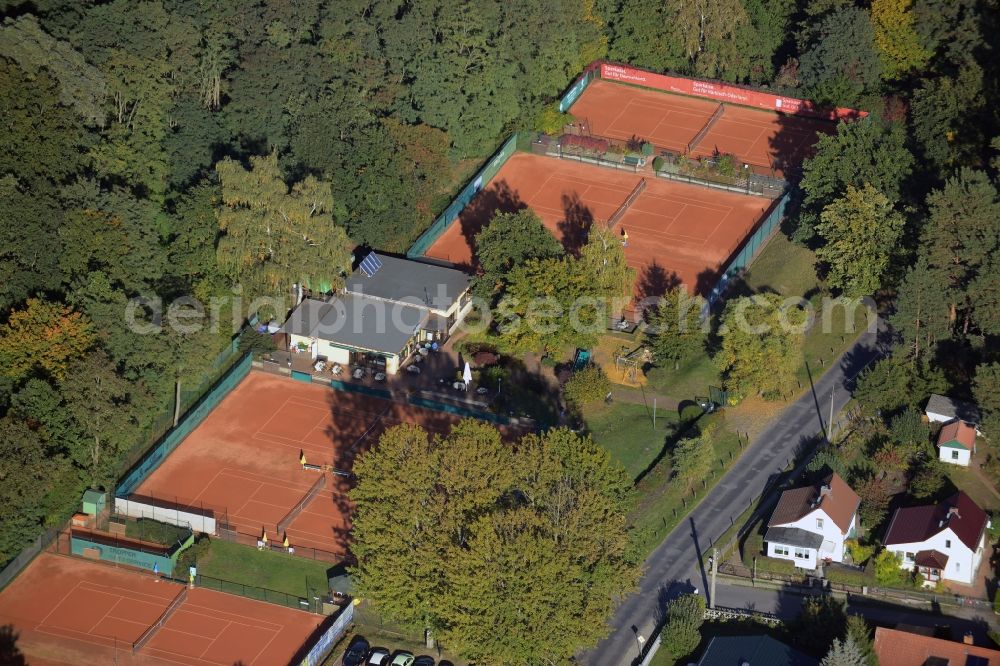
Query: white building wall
[830,531]
[945,454]
[962,562]
[809,562]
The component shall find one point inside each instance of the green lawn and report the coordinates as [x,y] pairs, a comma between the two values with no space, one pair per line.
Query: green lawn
[965,479]
[626,431]
[273,571]
[689,380]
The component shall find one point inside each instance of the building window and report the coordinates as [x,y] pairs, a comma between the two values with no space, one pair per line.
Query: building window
[801,554]
[954,455]
[819,523]
[958,567]
[947,543]
[910,557]
[779,550]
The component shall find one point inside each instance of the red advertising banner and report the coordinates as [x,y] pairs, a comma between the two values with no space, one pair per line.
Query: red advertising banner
[724,93]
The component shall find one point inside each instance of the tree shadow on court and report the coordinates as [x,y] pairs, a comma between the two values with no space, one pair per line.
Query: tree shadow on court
[706,281]
[575,225]
[655,281]
[10,654]
[498,197]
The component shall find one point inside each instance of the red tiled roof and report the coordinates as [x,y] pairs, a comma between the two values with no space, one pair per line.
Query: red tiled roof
[840,503]
[919,523]
[899,648]
[931,558]
[958,431]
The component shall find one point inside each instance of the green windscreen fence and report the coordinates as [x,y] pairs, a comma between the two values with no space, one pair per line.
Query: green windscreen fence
[450,214]
[195,416]
[751,246]
[577,89]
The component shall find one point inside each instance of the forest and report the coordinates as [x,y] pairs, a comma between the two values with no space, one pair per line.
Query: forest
[147,145]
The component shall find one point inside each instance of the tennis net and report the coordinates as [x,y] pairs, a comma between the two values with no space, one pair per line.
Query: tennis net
[153,628]
[704,130]
[301,504]
[617,216]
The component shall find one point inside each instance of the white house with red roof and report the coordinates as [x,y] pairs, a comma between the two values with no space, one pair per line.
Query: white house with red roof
[810,524]
[956,443]
[945,541]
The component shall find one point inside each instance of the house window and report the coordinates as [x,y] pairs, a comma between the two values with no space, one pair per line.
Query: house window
[801,554]
[958,567]
[947,543]
[819,523]
[779,550]
[954,455]
[910,557]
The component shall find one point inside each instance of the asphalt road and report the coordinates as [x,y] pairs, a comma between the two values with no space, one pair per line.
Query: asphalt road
[673,569]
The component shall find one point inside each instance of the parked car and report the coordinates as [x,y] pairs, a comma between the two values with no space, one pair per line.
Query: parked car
[356,652]
[423,660]
[402,658]
[378,657]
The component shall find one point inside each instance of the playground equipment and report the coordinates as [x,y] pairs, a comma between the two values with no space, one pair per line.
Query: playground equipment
[628,362]
[581,359]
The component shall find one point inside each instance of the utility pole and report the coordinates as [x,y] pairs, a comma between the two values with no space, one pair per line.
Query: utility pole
[715,570]
[829,424]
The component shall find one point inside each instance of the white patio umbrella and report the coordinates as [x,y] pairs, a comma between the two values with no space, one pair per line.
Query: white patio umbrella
[314,349]
[467,375]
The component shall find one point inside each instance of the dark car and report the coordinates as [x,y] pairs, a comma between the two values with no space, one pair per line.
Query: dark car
[424,660]
[356,652]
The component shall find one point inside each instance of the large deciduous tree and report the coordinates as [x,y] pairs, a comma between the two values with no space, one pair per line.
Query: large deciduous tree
[867,151]
[506,242]
[273,235]
[510,554]
[900,48]
[43,335]
[761,345]
[861,231]
[839,63]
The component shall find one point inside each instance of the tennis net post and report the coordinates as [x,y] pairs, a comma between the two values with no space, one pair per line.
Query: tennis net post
[153,628]
[617,216]
[721,109]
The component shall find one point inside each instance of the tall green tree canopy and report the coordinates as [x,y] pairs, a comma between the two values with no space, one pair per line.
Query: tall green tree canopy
[492,546]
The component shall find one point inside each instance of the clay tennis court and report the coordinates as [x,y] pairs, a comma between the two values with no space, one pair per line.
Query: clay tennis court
[244,458]
[767,140]
[678,233]
[73,611]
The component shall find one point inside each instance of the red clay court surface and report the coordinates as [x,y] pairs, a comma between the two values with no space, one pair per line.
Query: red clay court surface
[244,458]
[678,231]
[764,139]
[72,611]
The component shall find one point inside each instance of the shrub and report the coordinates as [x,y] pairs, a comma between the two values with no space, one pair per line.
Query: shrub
[658,163]
[646,149]
[685,615]
[587,385]
[551,120]
[691,412]
[191,555]
[887,569]
[859,553]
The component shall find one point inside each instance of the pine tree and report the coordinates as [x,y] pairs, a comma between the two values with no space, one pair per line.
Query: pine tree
[844,653]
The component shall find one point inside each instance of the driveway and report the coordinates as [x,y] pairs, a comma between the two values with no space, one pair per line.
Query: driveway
[673,569]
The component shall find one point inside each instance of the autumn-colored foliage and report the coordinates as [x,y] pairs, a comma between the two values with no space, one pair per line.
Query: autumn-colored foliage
[43,335]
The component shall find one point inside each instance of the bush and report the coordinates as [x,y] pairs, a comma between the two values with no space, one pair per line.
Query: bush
[887,569]
[658,163]
[691,412]
[587,385]
[685,615]
[646,149]
[859,553]
[191,555]
[551,120]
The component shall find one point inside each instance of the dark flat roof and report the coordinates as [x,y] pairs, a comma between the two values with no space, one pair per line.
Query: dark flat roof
[357,321]
[412,282]
[793,536]
[754,650]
